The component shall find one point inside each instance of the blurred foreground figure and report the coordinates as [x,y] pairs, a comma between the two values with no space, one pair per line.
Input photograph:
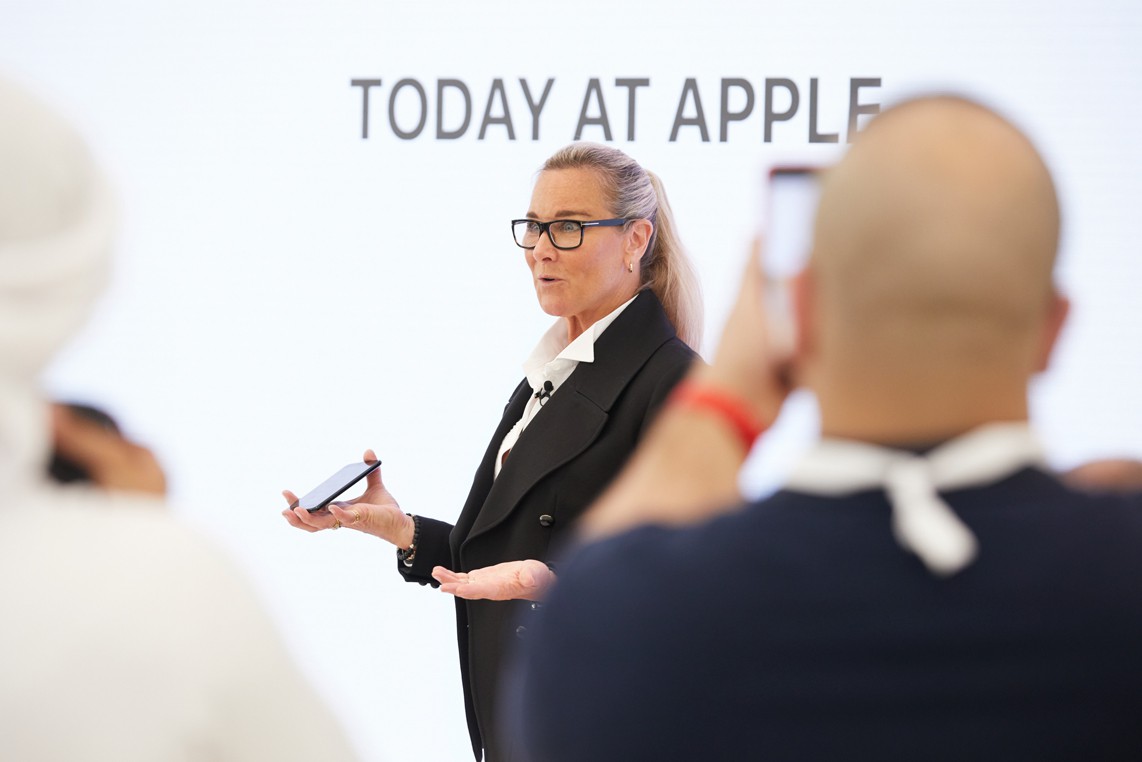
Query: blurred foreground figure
[922,588]
[125,636]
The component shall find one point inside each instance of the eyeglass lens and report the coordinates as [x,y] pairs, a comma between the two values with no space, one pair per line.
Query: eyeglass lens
[565,234]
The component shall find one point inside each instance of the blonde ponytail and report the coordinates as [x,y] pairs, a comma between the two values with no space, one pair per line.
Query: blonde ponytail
[667,271]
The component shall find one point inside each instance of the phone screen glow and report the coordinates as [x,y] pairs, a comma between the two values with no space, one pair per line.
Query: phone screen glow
[333,486]
[793,195]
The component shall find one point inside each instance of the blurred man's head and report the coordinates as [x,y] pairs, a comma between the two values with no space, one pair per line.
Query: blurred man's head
[929,302]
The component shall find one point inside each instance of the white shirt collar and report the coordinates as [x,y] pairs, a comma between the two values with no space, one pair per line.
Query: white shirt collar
[921,521]
[554,358]
[552,361]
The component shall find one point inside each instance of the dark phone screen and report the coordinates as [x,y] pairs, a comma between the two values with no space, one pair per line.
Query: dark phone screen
[324,493]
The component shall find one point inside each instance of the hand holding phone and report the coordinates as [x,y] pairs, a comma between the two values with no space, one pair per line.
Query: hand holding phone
[375,512]
[326,492]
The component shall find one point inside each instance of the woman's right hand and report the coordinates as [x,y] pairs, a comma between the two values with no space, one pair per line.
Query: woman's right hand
[375,512]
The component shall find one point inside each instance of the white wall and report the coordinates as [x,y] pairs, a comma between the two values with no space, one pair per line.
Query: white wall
[290,293]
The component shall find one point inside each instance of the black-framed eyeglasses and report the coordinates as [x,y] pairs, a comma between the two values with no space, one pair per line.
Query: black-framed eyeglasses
[564,234]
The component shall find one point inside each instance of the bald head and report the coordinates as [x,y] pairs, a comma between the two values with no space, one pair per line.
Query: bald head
[934,246]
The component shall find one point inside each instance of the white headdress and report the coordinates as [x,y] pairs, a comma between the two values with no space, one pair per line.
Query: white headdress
[56,223]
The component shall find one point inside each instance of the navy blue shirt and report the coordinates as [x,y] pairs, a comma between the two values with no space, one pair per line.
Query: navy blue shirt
[797,628]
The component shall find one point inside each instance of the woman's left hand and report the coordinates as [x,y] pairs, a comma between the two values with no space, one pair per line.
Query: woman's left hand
[502,582]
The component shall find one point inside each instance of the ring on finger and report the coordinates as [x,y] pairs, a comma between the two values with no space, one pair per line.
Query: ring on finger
[356,516]
[337,524]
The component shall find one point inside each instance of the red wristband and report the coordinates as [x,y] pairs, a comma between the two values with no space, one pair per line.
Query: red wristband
[728,406]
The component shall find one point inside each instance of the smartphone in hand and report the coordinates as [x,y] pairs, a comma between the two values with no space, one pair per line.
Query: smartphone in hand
[328,491]
[793,192]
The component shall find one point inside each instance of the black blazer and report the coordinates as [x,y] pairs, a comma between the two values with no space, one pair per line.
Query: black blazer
[562,461]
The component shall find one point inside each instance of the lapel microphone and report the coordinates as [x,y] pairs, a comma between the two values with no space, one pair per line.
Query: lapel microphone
[543,394]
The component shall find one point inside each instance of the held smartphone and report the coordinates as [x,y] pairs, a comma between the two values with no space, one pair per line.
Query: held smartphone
[793,195]
[793,192]
[326,492]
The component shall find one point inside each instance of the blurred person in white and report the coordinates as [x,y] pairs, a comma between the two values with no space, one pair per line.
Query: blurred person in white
[126,636]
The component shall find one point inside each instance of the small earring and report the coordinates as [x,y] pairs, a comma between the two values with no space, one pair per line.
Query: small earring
[630,267]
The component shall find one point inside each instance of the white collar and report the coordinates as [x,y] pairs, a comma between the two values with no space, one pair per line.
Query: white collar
[554,358]
[921,521]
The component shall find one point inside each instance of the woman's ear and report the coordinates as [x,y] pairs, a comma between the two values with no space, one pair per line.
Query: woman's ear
[637,237]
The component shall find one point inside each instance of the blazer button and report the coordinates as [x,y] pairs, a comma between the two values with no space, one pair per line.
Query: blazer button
[546,520]
[520,631]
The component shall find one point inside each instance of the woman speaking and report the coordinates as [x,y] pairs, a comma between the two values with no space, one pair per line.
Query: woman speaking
[605,259]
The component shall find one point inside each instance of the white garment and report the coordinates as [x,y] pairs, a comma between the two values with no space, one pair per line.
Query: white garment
[553,360]
[56,222]
[127,637]
[921,521]
[123,635]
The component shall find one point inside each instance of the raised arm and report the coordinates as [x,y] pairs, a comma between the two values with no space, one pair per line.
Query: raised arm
[687,466]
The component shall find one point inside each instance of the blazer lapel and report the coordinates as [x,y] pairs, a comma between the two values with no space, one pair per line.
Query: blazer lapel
[485,474]
[575,415]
